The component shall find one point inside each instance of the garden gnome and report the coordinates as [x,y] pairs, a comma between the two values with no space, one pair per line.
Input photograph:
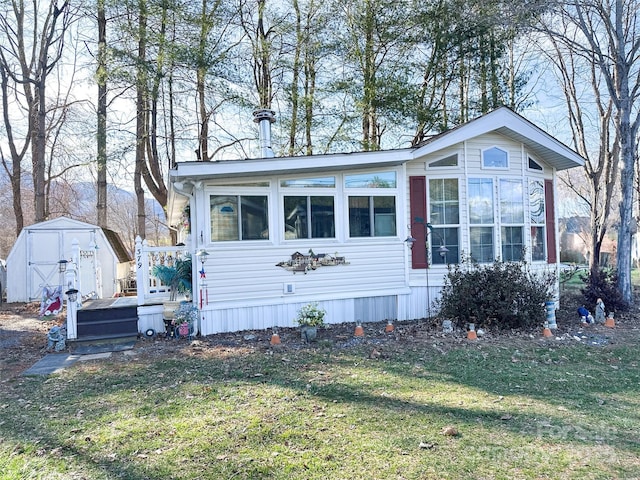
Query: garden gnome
[600,316]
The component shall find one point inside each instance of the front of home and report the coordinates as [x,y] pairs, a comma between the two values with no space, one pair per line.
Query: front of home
[366,235]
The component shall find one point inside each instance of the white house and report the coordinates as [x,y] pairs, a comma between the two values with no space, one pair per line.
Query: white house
[283,232]
[94,262]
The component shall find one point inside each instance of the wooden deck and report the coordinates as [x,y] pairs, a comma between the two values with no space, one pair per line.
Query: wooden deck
[101,303]
[108,318]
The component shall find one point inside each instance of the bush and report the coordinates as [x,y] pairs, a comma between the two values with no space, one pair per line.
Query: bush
[503,295]
[603,283]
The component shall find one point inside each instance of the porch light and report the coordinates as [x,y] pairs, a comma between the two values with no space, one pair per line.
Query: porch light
[72,294]
[62,265]
[443,251]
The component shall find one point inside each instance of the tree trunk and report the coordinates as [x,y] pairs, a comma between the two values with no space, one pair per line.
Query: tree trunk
[141,113]
[101,135]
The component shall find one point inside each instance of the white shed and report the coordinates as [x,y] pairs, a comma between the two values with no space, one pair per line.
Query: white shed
[34,260]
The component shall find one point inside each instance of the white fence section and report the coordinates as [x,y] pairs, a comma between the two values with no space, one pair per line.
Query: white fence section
[151,291]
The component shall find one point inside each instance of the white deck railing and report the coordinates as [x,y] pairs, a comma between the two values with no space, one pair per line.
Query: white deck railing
[150,289]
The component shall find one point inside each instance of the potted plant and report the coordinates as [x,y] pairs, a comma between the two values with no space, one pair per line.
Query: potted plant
[310,317]
[178,278]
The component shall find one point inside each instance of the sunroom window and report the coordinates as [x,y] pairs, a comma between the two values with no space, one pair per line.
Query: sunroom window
[309,216]
[372,216]
[538,220]
[512,219]
[444,215]
[481,219]
[239,217]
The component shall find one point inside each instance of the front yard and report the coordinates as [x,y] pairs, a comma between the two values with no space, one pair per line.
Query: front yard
[414,404]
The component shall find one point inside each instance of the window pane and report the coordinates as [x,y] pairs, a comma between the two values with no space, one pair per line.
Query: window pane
[384,216]
[533,165]
[537,244]
[224,218]
[322,217]
[371,180]
[320,182]
[444,207]
[495,158]
[255,217]
[447,238]
[252,210]
[511,201]
[480,200]
[359,218]
[295,218]
[512,244]
[536,201]
[450,161]
[482,244]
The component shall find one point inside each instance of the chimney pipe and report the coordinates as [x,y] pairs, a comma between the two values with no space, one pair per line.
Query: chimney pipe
[264,117]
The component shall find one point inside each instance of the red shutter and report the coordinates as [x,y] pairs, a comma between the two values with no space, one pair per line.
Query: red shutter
[418,210]
[551,221]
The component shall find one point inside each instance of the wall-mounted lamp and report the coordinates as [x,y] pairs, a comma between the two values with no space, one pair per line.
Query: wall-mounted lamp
[443,251]
[202,255]
[72,294]
[410,241]
[62,265]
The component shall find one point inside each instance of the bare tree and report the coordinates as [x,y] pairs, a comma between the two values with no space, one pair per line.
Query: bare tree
[605,34]
[33,41]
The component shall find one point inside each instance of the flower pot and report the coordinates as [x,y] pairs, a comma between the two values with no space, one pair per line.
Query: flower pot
[308,333]
[183,329]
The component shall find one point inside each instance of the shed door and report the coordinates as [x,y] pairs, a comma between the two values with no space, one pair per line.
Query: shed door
[44,250]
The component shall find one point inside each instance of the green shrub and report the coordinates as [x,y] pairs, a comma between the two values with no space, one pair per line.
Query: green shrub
[603,283]
[503,295]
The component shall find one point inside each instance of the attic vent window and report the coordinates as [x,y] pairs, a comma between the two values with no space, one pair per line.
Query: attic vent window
[533,165]
[450,161]
[495,157]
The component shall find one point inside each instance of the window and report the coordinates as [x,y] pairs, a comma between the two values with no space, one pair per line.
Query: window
[495,157]
[444,214]
[239,217]
[481,219]
[538,217]
[482,244]
[309,217]
[511,201]
[450,161]
[512,212]
[533,165]
[371,180]
[512,244]
[320,182]
[372,216]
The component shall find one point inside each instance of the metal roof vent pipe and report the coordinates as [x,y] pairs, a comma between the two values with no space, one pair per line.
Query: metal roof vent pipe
[264,117]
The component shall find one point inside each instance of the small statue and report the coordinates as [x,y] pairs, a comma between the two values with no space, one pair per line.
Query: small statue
[600,315]
[56,339]
[585,317]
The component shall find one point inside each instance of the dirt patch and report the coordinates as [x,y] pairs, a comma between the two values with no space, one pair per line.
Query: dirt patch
[23,338]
